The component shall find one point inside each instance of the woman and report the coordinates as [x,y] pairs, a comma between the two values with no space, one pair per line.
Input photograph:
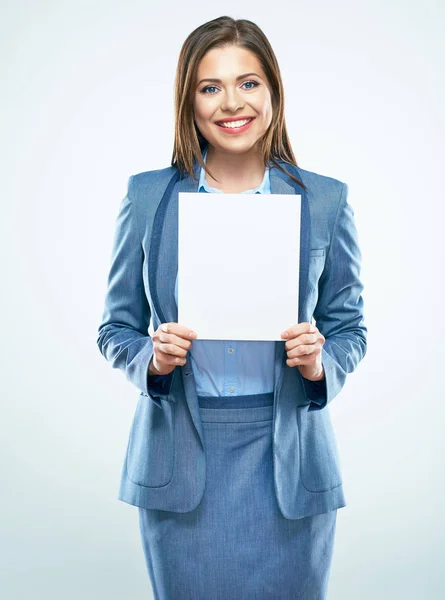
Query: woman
[231,458]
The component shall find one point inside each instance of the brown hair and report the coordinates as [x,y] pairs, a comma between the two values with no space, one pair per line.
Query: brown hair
[217,33]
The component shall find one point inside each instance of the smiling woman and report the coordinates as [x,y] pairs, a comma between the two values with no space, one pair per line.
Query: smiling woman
[232,458]
[222,78]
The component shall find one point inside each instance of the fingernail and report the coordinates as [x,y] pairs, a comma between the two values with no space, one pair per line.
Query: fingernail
[285,334]
[192,334]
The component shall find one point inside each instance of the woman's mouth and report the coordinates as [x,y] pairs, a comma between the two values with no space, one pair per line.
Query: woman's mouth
[235,126]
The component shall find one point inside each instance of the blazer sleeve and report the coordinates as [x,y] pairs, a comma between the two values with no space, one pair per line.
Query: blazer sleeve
[339,312]
[123,337]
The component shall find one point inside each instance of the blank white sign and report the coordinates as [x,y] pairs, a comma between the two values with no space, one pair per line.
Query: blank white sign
[238,264]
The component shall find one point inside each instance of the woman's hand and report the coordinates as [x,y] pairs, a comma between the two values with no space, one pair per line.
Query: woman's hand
[304,345]
[171,343]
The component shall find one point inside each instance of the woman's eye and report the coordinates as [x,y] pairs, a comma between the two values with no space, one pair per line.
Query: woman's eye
[209,87]
[251,88]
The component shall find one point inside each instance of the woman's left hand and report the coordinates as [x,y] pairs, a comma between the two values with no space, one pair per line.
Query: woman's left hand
[304,345]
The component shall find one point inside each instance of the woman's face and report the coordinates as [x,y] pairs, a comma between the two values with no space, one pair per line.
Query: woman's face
[249,96]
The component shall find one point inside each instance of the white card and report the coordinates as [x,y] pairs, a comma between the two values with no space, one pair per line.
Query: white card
[238,264]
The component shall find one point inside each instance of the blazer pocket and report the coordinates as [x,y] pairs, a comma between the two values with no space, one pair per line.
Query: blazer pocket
[316,252]
[151,445]
[319,460]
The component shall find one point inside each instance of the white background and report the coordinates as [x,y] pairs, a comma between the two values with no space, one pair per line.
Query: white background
[87,100]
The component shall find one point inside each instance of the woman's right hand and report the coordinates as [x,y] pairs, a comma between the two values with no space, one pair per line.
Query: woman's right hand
[171,343]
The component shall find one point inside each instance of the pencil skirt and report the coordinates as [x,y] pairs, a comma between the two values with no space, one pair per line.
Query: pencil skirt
[236,544]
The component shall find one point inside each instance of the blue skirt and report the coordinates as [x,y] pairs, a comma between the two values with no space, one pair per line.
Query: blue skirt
[236,544]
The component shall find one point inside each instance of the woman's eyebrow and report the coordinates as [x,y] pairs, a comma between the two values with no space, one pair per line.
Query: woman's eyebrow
[220,81]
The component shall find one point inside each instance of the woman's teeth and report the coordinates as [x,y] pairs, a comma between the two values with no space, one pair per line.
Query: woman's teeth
[234,124]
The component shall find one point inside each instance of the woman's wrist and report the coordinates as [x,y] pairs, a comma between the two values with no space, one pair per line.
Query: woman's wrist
[152,370]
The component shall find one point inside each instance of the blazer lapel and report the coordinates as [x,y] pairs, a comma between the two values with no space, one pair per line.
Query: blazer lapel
[163,257]
[280,183]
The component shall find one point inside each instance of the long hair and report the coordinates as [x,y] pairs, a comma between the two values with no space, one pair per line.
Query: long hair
[218,33]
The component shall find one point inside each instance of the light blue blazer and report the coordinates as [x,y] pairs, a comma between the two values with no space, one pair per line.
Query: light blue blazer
[165,462]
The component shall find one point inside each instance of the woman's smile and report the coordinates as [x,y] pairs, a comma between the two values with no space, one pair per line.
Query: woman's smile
[235,126]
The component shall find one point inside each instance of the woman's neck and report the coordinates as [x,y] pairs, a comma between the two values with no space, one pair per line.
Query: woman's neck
[235,172]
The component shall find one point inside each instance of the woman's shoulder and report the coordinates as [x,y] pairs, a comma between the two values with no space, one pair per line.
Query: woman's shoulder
[152,177]
[318,183]
[325,193]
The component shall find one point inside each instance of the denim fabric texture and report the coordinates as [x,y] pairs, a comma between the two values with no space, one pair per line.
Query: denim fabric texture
[165,462]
